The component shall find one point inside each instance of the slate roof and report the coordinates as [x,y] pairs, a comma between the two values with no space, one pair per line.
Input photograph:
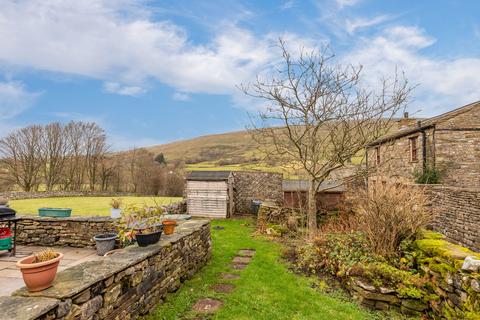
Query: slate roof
[302,185]
[428,123]
[208,175]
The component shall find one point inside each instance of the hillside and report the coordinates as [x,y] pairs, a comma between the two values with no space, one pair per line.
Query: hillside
[227,151]
[225,146]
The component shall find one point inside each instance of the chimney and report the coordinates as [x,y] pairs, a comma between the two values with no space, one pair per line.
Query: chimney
[404,122]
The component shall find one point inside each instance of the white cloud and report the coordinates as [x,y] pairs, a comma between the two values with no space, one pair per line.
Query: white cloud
[287,5]
[181,96]
[444,83]
[352,25]
[14,99]
[346,3]
[120,43]
[114,87]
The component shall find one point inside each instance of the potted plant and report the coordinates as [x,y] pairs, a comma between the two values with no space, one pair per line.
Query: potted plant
[55,212]
[3,202]
[169,226]
[142,224]
[105,242]
[115,210]
[39,270]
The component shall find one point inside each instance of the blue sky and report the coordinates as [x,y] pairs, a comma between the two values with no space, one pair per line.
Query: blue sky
[151,72]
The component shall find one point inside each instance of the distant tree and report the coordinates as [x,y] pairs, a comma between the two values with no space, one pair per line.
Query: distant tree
[319,114]
[160,158]
[20,157]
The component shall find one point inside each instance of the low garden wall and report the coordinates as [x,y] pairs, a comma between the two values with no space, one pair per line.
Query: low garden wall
[449,292]
[72,231]
[57,194]
[125,285]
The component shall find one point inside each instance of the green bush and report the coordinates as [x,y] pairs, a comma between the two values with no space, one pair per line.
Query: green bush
[430,175]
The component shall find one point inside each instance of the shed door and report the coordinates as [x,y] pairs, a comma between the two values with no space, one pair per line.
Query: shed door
[207,198]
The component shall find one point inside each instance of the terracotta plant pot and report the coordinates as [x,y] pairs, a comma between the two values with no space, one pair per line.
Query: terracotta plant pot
[39,276]
[169,226]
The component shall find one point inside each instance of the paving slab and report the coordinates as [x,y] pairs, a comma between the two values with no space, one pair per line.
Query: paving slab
[19,308]
[238,266]
[244,260]
[246,252]
[229,276]
[207,305]
[223,287]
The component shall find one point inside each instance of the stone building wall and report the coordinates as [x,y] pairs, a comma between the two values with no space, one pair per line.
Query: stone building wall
[126,285]
[248,186]
[452,146]
[395,158]
[72,232]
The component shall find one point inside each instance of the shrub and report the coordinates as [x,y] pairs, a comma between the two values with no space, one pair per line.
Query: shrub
[335,253]
[430,175]
[389,215]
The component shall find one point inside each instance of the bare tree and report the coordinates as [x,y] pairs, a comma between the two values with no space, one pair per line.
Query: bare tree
[74,169]
[20,152]
[53,154]
[95,151]
[319,114]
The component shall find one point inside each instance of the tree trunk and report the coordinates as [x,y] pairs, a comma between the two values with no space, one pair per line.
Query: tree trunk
[312,208]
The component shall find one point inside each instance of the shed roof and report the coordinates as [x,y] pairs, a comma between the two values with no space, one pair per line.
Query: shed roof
[208,175]
[303,185]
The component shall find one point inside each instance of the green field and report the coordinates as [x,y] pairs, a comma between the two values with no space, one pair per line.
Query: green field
[84,206]
[266,289]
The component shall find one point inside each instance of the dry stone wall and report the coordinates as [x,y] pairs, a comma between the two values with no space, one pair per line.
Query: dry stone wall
[58,194]
[457,214]
[72,232]
[250,186]
[126,285]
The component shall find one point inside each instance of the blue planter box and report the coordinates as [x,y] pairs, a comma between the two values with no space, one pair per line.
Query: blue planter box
[55,212]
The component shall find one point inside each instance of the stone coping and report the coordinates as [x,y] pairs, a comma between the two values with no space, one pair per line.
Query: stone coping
[25,308]
[74,280]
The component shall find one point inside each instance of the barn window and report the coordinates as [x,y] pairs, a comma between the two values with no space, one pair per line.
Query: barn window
[377,155]
[413,149]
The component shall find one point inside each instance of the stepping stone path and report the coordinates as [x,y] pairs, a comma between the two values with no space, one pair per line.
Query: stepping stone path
[239,262]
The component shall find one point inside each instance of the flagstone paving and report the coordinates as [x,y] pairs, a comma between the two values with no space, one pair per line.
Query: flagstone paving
[11,277]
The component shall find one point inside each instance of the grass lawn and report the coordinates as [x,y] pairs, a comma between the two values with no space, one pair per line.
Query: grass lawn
[83,206]
[266,289]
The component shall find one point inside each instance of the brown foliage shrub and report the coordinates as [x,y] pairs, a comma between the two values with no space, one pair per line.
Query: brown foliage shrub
[389,214]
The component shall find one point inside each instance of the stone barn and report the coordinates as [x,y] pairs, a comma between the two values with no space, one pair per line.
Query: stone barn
[210,194]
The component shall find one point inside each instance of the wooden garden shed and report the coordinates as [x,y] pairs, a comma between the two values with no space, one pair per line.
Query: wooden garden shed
[210,194]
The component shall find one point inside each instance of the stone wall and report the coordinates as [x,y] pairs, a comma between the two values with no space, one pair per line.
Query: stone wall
[12,195]
[125,285]
[73,231]
[452,292]
[457,214]
[249,186]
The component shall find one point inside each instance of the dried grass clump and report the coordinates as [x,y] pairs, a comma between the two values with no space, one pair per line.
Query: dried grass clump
[116,203]
[44,255]
[3,201]
[389,214]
